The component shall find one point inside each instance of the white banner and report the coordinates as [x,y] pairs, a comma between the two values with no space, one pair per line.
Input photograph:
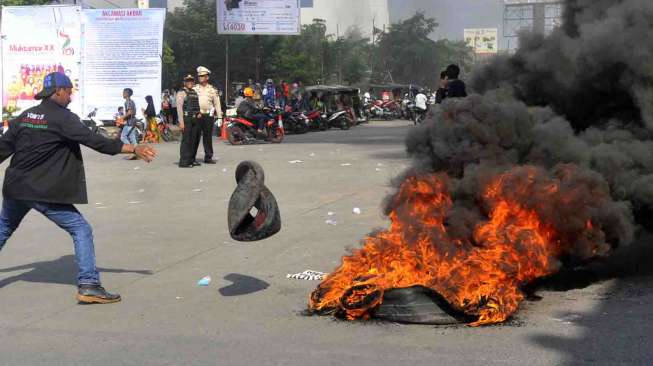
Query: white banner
[482,40]
[272,17]
[122,49]
[38,40]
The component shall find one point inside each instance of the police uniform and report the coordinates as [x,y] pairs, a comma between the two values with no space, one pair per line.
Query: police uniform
[209,100]
[188,111]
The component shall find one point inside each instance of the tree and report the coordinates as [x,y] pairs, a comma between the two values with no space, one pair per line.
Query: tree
[410,56]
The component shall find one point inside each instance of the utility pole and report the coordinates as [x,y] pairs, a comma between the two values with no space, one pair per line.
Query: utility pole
[373,49]
[339,43]
[257,48]
[226,73]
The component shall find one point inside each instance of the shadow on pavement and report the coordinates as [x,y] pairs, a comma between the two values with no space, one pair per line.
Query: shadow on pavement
[242,285]
[61,271]
[618,331]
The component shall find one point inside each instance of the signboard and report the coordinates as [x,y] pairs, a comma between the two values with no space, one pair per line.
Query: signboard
[122,49]
[38,40]
[271,17]
[482,40]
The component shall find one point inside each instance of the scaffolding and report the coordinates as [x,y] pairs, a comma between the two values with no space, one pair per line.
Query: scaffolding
[540,16]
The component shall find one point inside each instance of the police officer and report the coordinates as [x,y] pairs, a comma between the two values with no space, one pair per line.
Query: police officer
[210,109]
[46,174]
[188,113]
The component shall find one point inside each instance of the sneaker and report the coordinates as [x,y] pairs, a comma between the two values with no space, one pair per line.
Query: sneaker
[95,294]
[210,161]
[186,166]
[196,163]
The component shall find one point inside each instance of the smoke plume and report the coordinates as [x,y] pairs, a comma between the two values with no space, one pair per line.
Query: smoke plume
[582,96]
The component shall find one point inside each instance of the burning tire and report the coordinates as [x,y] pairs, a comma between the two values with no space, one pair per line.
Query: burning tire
[245,223]
[416,305]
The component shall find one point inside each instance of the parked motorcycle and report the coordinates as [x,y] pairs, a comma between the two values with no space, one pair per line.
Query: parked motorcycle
[317,120]
[94,124]
[341,119]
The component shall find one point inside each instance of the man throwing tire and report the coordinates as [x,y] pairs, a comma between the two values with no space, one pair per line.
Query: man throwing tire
[46,174]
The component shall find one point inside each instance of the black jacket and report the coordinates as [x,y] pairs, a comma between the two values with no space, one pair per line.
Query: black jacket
[246,109]
[47,163]
[456,89]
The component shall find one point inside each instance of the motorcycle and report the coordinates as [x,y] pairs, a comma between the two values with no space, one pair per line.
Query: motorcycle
[341,119]
[317,120]
[94,124]
[416,115]
[381,110]
[164,129]
[241,131]
[295,122]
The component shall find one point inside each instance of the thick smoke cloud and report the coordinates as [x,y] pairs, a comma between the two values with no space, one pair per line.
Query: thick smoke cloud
[596,68]
[581,97]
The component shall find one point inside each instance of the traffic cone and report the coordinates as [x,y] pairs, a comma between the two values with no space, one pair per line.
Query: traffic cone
[223,130]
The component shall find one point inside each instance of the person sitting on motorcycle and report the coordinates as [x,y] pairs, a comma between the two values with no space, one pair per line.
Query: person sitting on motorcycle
[247,109]
[420,102]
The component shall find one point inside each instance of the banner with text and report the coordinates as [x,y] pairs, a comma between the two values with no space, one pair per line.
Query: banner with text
[38,40]
[271,17]
[121,49]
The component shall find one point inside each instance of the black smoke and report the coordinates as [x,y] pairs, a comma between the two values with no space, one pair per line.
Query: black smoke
[581,97]
[595,69]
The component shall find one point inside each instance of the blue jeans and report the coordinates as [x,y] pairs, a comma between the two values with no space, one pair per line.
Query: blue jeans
[128,138]
[261,119]
[66,217]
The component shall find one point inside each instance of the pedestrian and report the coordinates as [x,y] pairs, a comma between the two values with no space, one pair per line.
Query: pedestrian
[165,106]
[173,105]
[210,108]
[46,173]
[269,94]
[455,87]
[128,134]
[152,133]
[188,115]
[441,93]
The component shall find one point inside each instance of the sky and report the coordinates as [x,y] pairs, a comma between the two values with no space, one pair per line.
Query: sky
[452,15]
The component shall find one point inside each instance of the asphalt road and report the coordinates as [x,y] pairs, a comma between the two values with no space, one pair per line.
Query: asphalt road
[159,229]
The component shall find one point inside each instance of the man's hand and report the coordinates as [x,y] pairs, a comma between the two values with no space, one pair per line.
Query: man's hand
[181,125]
[145,152]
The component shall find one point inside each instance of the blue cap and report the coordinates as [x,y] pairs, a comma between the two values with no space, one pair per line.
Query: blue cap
[52,82]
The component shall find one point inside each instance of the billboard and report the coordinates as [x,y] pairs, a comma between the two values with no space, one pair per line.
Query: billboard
[38,41]
[269,17]
[122,49]
[482,40]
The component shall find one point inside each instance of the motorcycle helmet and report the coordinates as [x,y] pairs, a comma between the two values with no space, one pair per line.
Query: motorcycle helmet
[248,92]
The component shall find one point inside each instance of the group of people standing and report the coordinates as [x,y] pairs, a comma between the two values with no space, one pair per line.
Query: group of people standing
[198,105]
[450,84]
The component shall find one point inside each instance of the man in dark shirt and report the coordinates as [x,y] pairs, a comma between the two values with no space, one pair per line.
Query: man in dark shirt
[46,174]
[441,93]
[455,87]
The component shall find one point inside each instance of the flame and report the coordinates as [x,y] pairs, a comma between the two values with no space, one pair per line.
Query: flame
[481,273]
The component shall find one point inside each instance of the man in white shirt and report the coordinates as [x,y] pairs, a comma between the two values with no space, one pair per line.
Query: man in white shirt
[420,104]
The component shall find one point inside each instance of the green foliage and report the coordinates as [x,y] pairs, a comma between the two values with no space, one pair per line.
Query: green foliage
[405,51]
[410,56]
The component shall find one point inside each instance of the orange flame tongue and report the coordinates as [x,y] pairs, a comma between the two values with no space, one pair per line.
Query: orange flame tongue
[480,273]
